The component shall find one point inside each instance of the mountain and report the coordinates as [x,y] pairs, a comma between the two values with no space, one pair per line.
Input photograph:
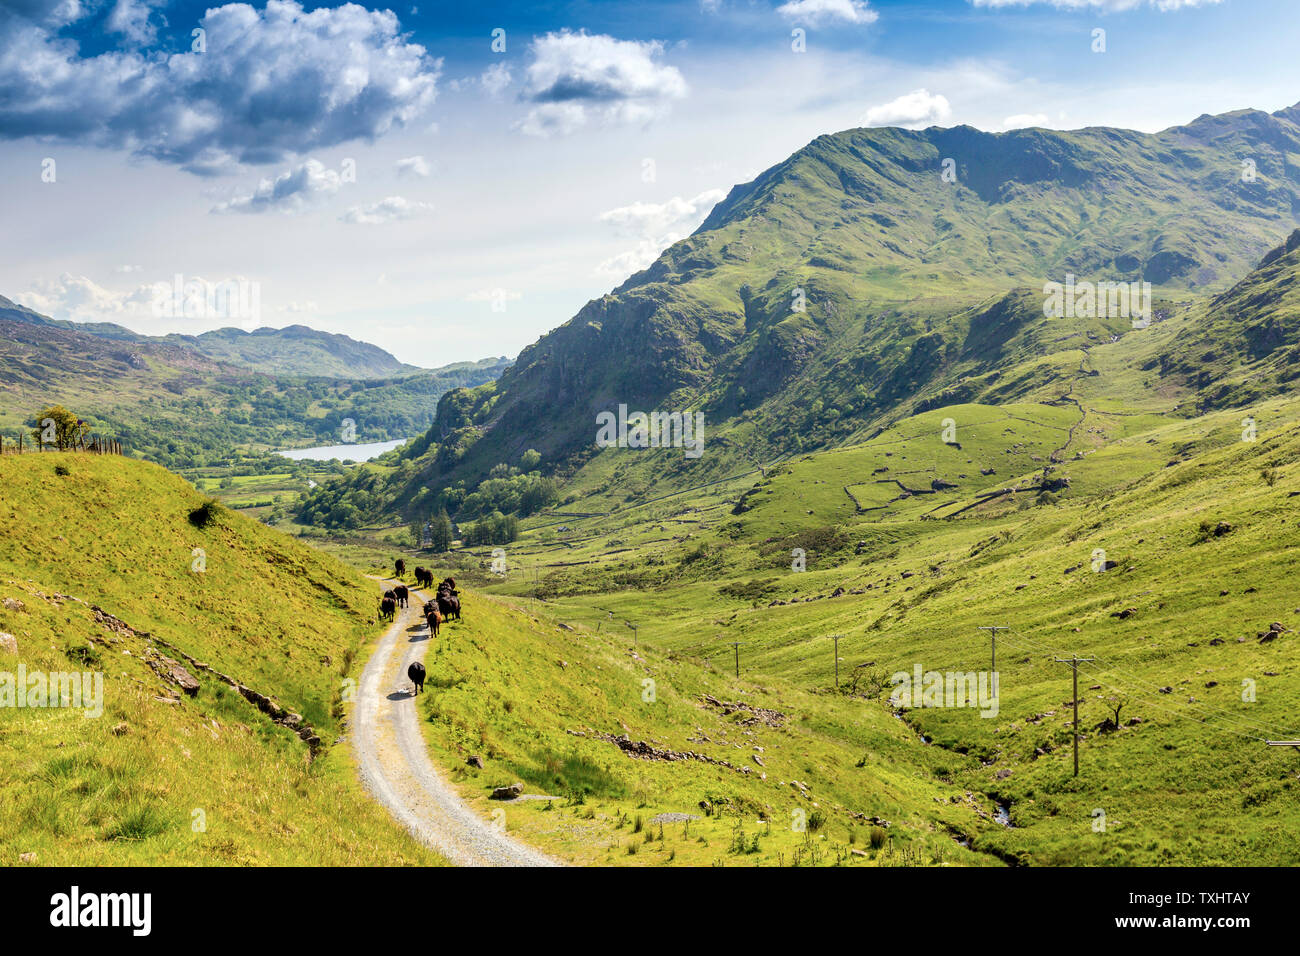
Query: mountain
[173,404]
[293,350]
[298,350]
[855,283]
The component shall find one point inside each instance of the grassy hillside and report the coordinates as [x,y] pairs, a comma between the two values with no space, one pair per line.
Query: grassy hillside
[766,772]
[98,574]
[1188,616]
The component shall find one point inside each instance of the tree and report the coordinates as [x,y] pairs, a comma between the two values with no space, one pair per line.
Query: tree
[530,459]
[58,426]
[442,532]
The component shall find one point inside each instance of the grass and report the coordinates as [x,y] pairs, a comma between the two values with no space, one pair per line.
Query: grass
[161,778]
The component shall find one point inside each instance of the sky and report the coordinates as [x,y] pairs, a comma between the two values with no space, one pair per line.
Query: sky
[452,181]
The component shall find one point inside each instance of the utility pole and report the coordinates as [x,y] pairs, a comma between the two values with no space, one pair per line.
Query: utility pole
[836,639]
[993,652]
[635,643]
[736,645]
[1074,663]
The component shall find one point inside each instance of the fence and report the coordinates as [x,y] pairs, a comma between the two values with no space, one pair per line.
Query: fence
[90,444]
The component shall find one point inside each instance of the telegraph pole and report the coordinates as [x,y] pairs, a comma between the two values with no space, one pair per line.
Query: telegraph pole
[736,645]
[836,639]
[993,652]
[1074,663]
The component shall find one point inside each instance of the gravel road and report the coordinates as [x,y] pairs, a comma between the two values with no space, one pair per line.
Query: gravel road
[395,766]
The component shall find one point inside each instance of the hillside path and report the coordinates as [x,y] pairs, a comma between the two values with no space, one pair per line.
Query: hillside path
[395,766]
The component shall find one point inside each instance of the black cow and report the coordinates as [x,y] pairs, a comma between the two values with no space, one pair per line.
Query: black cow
[416,673]
[387,608]
[402,595]
[400,567]
[423,578]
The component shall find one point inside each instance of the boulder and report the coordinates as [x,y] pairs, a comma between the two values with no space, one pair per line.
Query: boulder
[508,793]
[8,643]
[475,761]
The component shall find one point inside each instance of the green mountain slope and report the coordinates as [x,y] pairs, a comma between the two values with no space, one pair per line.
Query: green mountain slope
[852,284]
[162,777]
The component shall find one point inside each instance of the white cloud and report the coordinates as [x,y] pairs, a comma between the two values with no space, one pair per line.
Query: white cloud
[493,295]
[914,110]
[290,192]
[495,79]
[655,226]
[1105,6]
[1025,120]
[391,209]
[127,269]
[131,19]
[82,299]
[413,166]
[272,83]
[576,79]
[814,11]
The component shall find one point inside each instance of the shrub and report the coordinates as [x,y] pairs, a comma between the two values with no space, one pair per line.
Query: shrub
[203,515]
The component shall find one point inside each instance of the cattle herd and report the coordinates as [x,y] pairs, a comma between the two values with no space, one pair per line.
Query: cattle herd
[444,607]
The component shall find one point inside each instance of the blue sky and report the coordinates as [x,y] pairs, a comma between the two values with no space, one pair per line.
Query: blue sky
[384,172]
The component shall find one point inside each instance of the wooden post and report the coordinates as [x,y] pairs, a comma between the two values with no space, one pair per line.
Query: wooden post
[1074,667]
[836,639]
[993,653]
[736,645]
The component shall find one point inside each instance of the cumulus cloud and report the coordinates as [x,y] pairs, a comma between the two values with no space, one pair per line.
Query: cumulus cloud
[272,83]
[81,299]
[1105,6]
[292,191]
[389,209]
[413,166]
[131,18]
[815,11]
[1025,120]
[655,227]
[495,79]
[914,110]
[577,79]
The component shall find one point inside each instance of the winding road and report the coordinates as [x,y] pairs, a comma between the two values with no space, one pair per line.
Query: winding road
[395,766]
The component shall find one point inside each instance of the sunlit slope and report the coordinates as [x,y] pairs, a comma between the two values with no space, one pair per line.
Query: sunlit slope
[161,776]
[1194,534]
[542,703]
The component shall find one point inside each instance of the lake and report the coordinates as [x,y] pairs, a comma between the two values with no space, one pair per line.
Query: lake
[353,452]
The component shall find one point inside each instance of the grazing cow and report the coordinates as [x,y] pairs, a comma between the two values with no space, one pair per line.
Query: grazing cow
[400,567]
[434,620]
[402,595]
[387,608]
[423,578]
[448,600]
[416,673]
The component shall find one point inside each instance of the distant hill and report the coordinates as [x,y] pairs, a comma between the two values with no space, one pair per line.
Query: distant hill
[293,350]
[297,350]
[175,404]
